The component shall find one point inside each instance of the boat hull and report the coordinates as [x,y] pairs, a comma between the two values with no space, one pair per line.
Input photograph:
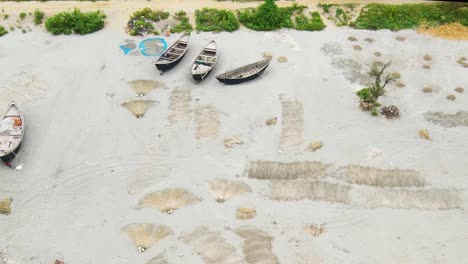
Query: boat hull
[9,157]
[167,66]
[241,80]
[200,77]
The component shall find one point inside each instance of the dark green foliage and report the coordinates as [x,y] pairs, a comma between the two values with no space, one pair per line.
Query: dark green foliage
[38,16]
[142,21]
[326,7]
[209,19]
[22,15]
[342,18]
[3,31]
[369,95]
[75,22]
[5,16]
[314,23]
[397,17]
[268,16]
[183,25]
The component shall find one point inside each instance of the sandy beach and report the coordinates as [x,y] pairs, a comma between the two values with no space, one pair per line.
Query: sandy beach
[87,162]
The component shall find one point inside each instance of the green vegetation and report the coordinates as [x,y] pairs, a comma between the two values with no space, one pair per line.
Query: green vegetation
[397,17]
[75,22]
[183,25]
[142,21]
[369,95]
[38,17]
[269,16]
[314,23]
[3,31]
[209,19]
[326,7]
[5,17]
[12,28]
[22,15]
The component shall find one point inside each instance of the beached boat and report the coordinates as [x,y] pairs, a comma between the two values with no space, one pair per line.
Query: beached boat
[11,132]
[244,73]
[174,54]
[205,62]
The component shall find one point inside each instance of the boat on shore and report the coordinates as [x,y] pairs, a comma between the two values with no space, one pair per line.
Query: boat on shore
[244,73]
[11,133]
[174,54]
[205,61]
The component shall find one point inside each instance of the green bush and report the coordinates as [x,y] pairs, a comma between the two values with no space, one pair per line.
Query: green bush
[209,19]
[326,7]
[183,25]
[38,16]
[268,16]
[314,23]
[5,17]
[142,21]
[406,16]
[75,22]
[3,31]
[22,15]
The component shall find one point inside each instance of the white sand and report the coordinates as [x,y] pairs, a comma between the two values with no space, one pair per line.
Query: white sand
[87,160]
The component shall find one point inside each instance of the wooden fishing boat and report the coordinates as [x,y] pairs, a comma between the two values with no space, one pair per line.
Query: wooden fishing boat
[205,61]
[244,73]
[174,54]
[11,133]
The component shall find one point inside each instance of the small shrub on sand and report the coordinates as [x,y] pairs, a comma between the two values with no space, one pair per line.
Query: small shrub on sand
[75,22]
[370,40]
[22,15]
[38,17]
[210,19]
[3,31]
[377,54]
[357,47]
[406,16]
[427,90]
[314,23]
[427,58]
[5,17]
[352,39]
[426,67]
[183,25]
[451,97]
[268,16]
[369,95]
[141,21]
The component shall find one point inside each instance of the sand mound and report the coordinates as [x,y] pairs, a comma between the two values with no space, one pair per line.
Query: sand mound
[292,125]
[448,31]
[257,246]
[448,120]
[180,105]
[212,247]
[382,178]
[431,199]
[314,190]
[207,119]
[270,170]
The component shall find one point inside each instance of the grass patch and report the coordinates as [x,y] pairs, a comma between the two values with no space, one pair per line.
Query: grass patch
[3,31]
[22,15]
[314,23]
[269,16]
[183,25]
[142,21]
[210,19]
[5,17]
[407,16]
[75,22]
[326,7]
[38,17]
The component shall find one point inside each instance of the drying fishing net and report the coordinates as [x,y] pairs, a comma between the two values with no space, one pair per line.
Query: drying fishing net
[152,46]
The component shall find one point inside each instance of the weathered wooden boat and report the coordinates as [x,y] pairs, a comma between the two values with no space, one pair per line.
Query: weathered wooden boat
[174,54]
[205,61]
[11,133]
[244,73]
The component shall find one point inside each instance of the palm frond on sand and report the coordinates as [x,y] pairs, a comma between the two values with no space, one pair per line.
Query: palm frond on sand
[223,190]
[143,87]
[138,107]
[144,235]
[168,200]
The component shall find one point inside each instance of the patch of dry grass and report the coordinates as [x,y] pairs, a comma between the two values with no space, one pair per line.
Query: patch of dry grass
[455,31]
[270,170]
[313,190]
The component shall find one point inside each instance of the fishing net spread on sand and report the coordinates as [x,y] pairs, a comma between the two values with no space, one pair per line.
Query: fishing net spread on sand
[152,46]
